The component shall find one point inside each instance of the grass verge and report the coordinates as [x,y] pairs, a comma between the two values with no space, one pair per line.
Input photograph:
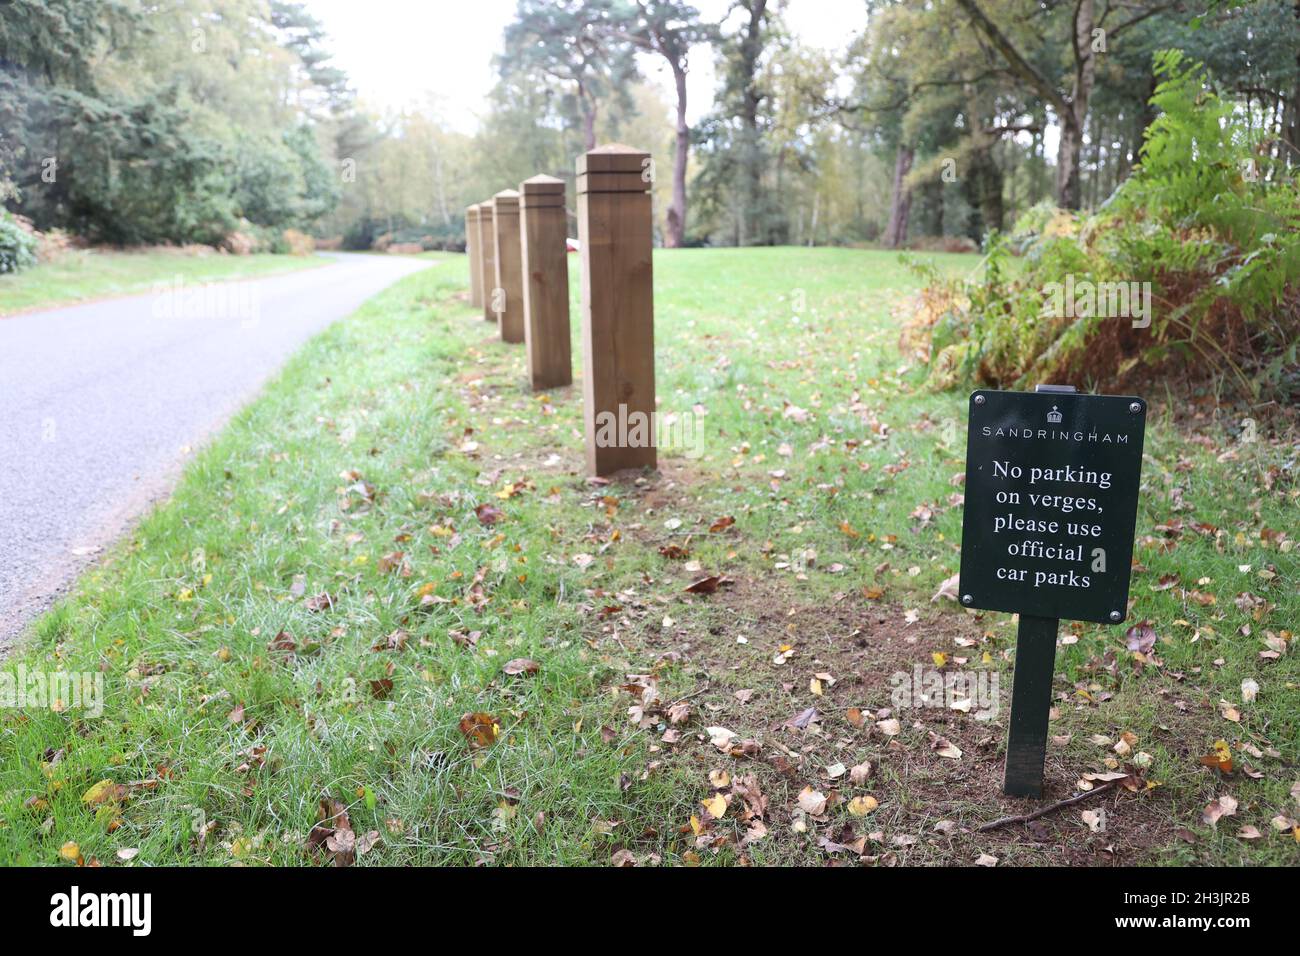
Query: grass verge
[81,275]
[330,605]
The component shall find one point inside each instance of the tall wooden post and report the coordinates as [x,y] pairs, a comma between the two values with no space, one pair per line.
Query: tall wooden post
[509,266]
[487,259]
[472,251]
[614,230]
[542,234]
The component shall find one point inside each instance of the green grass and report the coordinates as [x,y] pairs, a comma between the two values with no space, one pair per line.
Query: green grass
[81,275]
[817,437]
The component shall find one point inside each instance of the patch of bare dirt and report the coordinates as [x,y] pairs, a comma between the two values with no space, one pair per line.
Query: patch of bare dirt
[808,691]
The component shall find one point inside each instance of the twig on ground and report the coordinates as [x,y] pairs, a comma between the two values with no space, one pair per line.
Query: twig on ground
[1043,811]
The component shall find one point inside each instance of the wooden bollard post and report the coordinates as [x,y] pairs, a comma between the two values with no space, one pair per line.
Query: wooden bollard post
[472,241]
[614,230]
[509,266]
[487,258]
[542,234]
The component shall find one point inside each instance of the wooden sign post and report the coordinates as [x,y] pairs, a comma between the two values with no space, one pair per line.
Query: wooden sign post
[614,231]
[542,234]
[487,258]
[509,291]
[1052,482]
[472,251]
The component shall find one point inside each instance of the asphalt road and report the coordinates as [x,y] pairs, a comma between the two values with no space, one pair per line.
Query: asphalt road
[101,404]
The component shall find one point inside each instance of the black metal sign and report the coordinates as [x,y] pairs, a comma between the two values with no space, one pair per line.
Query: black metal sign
[1051,501]
[1052,482]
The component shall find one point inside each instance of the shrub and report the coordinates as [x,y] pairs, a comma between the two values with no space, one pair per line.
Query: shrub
[298,243]
[17,244]
[1203,227]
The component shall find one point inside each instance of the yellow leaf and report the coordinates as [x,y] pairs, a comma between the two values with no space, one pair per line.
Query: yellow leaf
[716,805]
[861,806]
[70,852]
[815,686]
[940,658]
[102,791]
[696,826]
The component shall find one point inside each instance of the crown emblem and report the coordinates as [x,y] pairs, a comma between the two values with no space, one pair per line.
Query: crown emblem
[1054,416]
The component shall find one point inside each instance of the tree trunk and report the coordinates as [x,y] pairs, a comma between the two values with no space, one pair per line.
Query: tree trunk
[900,205]
[986,183]
[588,107]
[1067,163]
[1074,120]
[1291,125]
[675,232]
[751,48]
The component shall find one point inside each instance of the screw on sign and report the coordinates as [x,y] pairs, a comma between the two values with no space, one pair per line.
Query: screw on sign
[1052,482]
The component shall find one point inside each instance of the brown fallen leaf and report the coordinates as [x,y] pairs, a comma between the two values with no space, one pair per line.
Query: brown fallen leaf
[811,801]
[521,665]
[801,720]
[488,514]
[943,747]
[948,589]
[722,524]
[1140,638]
[708,585]
[332,833]
[320,602]
[1225,806]
[480,729]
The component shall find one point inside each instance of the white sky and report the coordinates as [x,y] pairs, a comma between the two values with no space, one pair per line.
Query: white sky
[397,52]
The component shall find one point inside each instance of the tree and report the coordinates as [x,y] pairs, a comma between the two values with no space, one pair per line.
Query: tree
[669,28]
[1086,36]
[163,122]
[570,42]
[731,138]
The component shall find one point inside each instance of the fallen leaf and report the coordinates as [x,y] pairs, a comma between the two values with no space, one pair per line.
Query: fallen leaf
[707,585]
[106,791]
[480,729]
[1225,806]
[720,737]
[812,802]
[716,806]
[948,589]
[1249,690]
[488,514]
[862,805]
[943,747]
